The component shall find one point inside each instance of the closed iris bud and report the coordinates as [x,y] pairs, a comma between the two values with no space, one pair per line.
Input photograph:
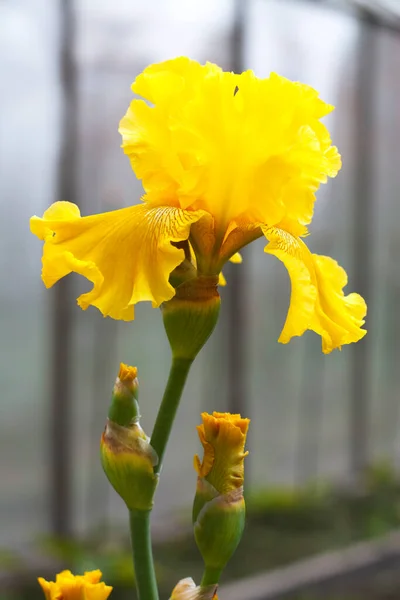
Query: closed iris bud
[124,401]
[127,457]
[219,507]
[191,315]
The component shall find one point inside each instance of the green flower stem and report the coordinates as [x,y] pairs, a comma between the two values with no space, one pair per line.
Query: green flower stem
[145,577]
[210,576]
[146,583]
[169,405]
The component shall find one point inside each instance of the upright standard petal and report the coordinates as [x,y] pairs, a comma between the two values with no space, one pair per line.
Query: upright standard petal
[229,144]
[127,254]
[317,299]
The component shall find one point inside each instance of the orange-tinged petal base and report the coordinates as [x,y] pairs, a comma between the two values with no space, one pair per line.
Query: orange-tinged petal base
[127,254]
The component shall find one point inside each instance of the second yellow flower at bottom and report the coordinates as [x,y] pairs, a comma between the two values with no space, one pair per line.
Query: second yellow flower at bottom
[76,587]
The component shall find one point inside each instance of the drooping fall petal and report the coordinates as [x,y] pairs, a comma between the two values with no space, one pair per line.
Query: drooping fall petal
[127,254]
[317,298]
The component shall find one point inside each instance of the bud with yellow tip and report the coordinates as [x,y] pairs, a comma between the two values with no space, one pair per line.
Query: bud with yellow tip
[127,457]
[219,507]
[71,587]
[124,406]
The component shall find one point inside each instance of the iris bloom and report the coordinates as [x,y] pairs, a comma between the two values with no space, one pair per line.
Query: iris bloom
[76,587]
[224,159]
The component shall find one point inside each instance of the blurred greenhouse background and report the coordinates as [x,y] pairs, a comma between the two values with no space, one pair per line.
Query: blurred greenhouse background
[315,419]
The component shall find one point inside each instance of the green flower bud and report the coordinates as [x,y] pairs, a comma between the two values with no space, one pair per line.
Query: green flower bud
[127,457]
[218,524]
[191,315]
[124,406]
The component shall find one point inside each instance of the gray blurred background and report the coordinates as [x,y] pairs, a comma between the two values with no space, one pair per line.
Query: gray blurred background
[66,71]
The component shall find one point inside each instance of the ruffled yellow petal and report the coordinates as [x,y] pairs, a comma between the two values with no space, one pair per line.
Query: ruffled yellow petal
[93,576]
[317,299]
[229,144]
[76,587]
[223,437]
[127,254]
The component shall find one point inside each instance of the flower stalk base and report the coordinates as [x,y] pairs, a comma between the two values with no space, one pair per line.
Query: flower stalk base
[145,577]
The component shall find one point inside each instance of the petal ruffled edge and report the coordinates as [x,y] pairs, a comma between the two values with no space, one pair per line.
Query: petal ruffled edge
[317,299]
[127,254]
[223,437]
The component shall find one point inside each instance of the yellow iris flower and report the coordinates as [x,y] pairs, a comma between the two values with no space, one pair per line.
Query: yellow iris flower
[76,587]
[224,159]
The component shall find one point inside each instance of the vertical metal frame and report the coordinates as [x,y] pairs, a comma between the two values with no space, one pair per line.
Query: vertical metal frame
[62,321]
